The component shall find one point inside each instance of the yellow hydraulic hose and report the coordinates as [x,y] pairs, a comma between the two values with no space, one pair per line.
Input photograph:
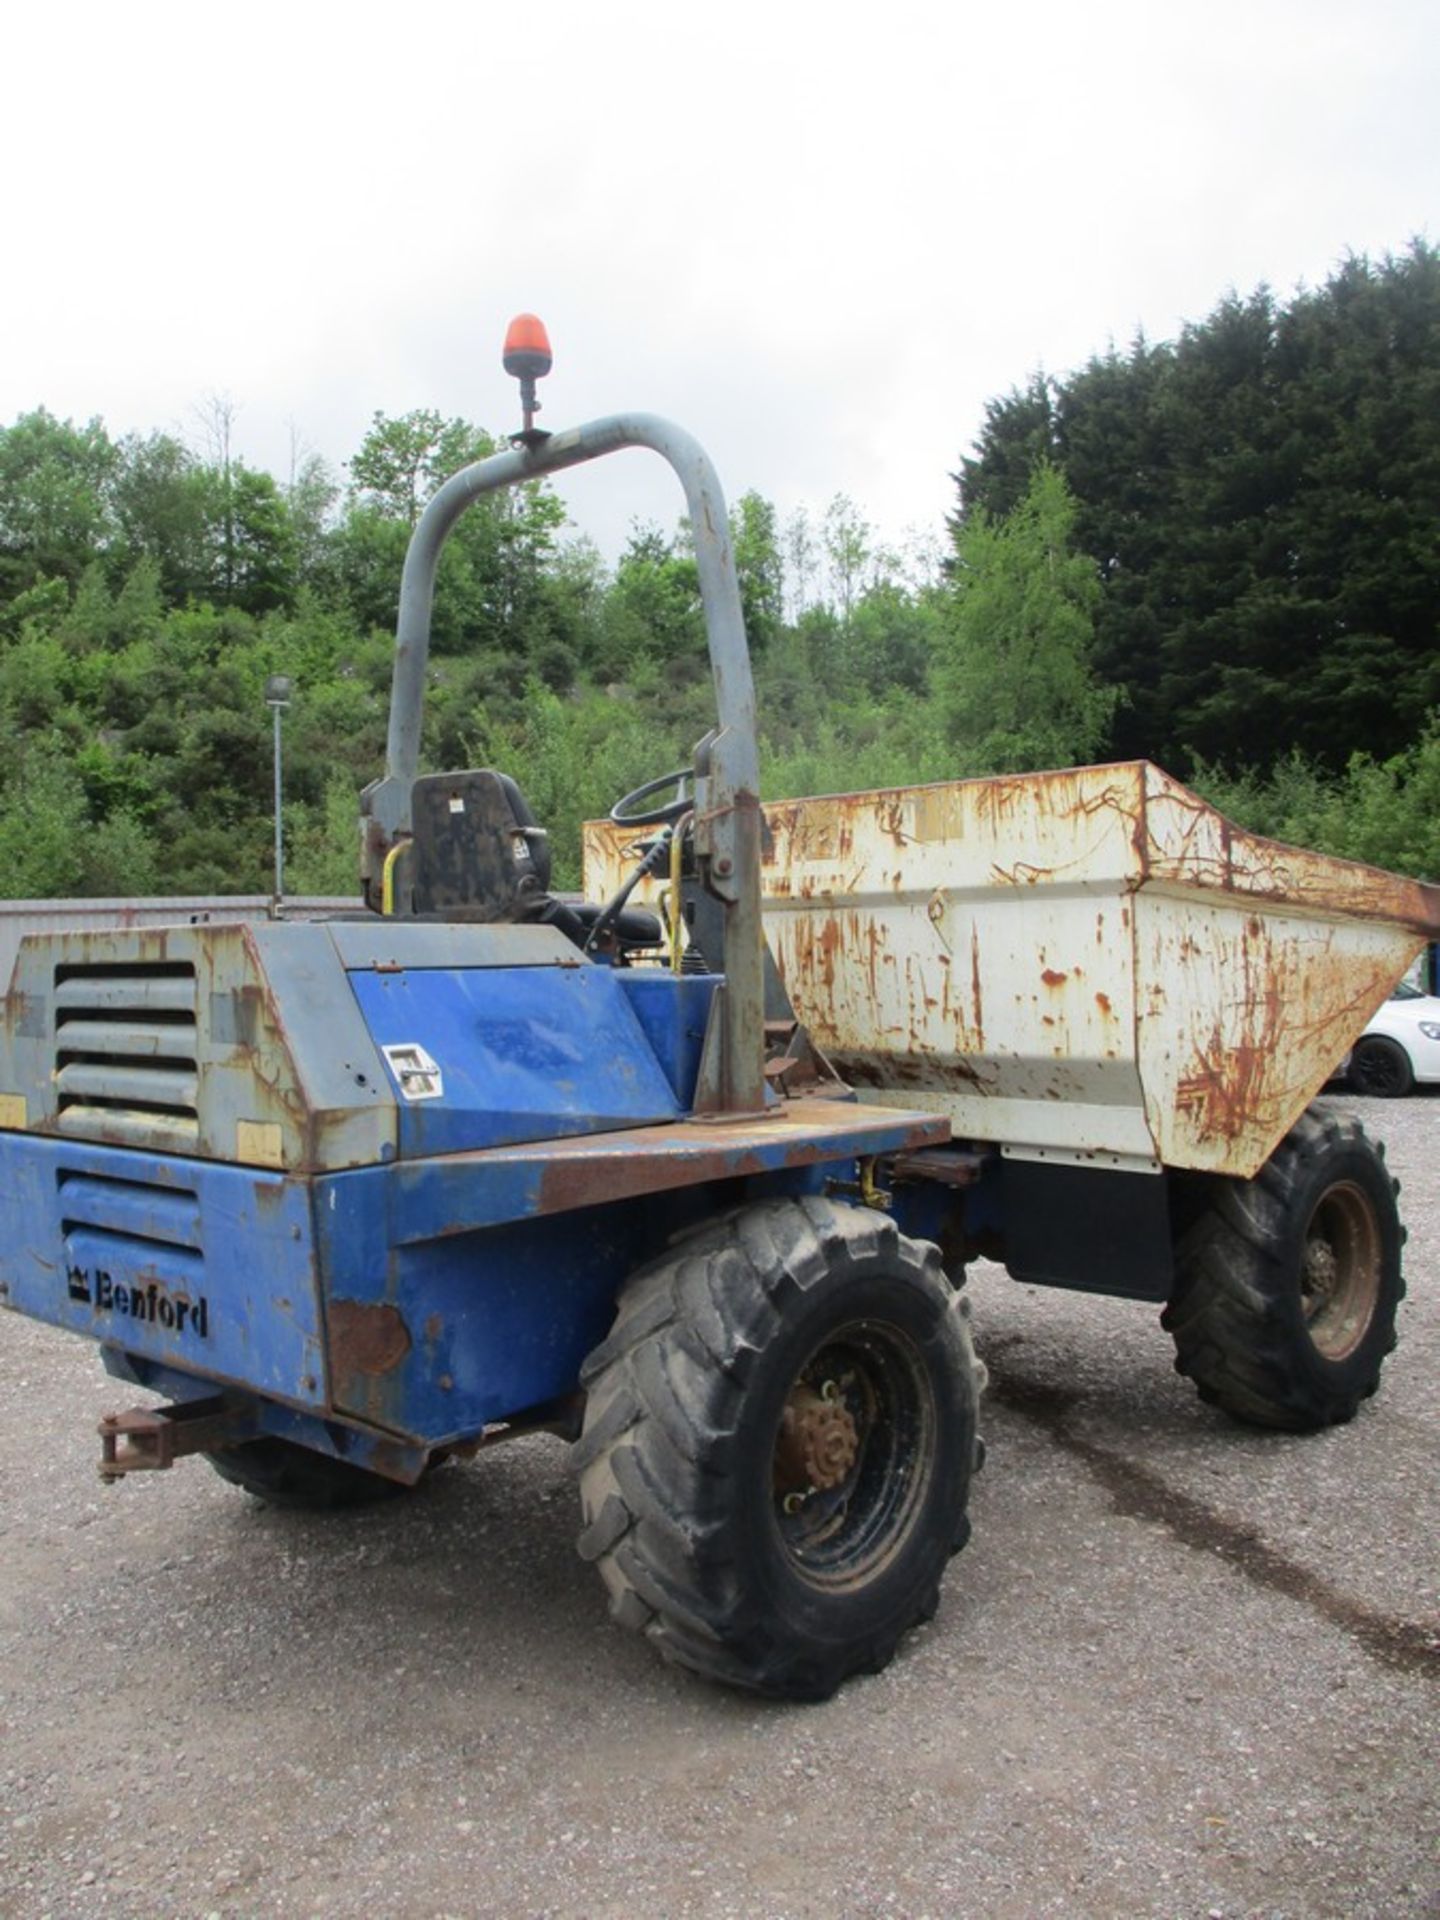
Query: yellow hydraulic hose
[676,916]
[387,877]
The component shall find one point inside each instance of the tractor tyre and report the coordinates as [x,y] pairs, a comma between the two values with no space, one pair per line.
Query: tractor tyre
[779,1437]
[283,1474]
[1287,1285]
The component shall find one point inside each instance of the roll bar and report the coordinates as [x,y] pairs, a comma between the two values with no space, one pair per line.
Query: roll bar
[727,802]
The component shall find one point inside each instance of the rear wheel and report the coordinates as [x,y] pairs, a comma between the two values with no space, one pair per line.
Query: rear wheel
[1287,1285]
[780,1433]
[1381,1068]
[283,1474]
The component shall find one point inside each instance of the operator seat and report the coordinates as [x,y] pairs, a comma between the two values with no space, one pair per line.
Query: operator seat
[479,854]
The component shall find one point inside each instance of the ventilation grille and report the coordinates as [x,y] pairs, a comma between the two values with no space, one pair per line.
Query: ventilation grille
[133,1248]
[135,1211]
[125,1053]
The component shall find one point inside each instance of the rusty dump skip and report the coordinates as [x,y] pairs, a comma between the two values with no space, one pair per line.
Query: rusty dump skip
[1091,961]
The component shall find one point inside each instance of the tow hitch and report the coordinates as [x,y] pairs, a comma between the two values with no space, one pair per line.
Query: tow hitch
[148,1439]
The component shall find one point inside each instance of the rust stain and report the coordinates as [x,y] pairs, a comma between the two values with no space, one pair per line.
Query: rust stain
[889,814]
[1102,1000]
[366,1337]
[1053,978]
[1232,1075]
[977,1002]
[622,1166]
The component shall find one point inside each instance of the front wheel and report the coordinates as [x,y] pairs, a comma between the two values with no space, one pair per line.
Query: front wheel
[779,1438]
[1287,1285]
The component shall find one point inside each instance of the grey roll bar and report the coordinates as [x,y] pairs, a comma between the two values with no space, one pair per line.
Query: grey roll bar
[727,796]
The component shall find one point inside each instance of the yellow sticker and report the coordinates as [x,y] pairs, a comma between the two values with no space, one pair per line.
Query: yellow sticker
[260,1143]
[12,1110]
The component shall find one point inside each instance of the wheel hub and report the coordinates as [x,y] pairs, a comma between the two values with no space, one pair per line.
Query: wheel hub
[1321,1272]
[1340,1275]
[818,1441]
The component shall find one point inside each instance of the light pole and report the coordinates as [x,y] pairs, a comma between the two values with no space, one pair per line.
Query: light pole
[277,698]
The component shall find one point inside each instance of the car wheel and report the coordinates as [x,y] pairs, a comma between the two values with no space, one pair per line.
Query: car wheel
[1381,1068]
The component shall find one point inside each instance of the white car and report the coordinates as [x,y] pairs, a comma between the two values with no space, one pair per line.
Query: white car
[1400,1047]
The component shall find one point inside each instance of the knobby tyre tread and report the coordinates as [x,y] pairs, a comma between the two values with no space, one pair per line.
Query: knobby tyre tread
[1245,1332]
[674,1462]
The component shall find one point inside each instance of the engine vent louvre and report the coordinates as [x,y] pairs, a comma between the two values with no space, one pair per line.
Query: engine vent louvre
[125,1052]
[133,1210]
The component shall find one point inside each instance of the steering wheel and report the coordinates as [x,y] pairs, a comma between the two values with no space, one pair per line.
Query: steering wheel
[624,812]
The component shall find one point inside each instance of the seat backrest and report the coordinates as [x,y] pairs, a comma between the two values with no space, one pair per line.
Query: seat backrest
[477,852]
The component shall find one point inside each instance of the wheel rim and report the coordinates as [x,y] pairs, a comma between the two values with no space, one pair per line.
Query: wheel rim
[1340,1270]
[853,1456]
[1380,1070]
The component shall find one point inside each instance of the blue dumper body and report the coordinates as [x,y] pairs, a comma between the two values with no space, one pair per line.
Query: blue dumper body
[375,1183]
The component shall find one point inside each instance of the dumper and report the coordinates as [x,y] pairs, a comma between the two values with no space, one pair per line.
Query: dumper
[693,1186]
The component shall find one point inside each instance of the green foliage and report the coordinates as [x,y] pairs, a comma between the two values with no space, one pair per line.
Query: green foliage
[54,511]
[42,823]
[652,613]
[1262,496]
[1384,812]
[164,503]
[759,570]
[857,748]
[575,758]
[403,460]
[323,843]
[1014,683]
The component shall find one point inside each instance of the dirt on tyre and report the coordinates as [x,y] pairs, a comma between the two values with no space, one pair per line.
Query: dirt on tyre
[1287,1285]
[283,1474]
[779,1439]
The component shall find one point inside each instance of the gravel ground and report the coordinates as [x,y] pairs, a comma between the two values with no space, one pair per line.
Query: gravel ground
[1182,1669]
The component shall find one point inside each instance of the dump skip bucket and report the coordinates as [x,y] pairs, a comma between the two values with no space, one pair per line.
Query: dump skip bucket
[1092,962]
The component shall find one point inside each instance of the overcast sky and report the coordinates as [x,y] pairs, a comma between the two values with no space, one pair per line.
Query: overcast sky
[819,236]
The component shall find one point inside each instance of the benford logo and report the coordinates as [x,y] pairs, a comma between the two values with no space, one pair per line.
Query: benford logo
[151,1303]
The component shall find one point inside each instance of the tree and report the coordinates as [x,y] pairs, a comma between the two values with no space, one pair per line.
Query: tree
[54,499]
[1014,681]
[216,415]
[263,551]
[893,636]
[847,537]
[652,612]
[759,571]
[1261,496]
[311,496]
[163,499]
[403,459]
[800,562]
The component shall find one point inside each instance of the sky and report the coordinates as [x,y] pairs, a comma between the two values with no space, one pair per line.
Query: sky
[820,237]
